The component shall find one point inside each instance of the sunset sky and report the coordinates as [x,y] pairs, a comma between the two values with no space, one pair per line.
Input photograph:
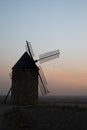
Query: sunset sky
[48,25]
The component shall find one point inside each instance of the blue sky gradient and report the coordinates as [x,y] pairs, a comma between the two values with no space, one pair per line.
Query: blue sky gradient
[48,25]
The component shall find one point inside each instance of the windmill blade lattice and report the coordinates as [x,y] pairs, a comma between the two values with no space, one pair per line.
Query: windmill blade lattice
[5,100]
[42,75]
[42,86]
[48,56]
[29,49]
[42,82]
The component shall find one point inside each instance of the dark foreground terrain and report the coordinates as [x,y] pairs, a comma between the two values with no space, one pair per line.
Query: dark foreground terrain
[43,117]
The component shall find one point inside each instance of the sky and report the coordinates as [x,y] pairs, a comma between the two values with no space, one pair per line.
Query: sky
[48,25]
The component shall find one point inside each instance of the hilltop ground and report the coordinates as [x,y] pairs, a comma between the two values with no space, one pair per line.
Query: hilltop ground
[43,117]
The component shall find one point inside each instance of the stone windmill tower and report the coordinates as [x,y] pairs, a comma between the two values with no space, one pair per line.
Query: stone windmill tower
[27,77]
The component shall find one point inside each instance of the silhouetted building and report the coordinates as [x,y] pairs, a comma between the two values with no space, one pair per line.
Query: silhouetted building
[24,89]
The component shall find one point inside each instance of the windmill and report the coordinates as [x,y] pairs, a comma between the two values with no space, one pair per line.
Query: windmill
[27,77]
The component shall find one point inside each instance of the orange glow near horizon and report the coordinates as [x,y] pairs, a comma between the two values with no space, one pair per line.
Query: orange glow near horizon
[73,82]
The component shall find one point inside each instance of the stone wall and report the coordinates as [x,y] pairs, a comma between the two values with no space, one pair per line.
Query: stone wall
[24,87]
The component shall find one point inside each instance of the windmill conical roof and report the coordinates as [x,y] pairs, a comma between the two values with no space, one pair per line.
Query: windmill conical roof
[25,62]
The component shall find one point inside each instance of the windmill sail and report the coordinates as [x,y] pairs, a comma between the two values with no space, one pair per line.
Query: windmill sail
[29,49]
[42,82]
[42,75]
[48,56]
[5,100]
[41,86]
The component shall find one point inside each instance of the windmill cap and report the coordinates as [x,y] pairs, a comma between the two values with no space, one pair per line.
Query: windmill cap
[25,62]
